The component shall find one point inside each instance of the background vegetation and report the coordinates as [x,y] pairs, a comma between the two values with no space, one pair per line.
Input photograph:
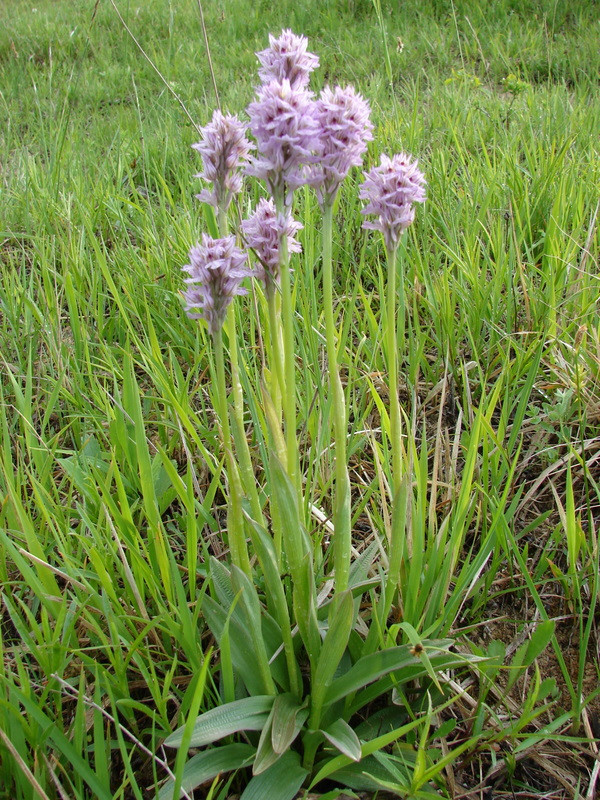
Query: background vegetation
[111,496]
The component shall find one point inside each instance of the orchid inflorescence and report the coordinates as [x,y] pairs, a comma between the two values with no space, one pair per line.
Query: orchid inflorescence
[215,274]
[262,232]
[224,149]
[392,188]
[300,140]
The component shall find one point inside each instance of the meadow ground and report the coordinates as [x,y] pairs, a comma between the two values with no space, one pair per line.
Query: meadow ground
[112,496]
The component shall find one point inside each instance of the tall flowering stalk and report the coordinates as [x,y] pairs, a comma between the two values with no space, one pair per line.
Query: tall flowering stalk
[263,232]
[283,123]
[225,151]
[344,129]
[391,190]
[216,270]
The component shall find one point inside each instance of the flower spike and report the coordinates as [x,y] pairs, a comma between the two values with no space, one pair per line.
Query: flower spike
[224,149]
[286,58]
[216,270]
[262,232]
[391,189]
[344,129]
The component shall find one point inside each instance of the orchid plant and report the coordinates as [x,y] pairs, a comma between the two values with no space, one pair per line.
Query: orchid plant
[299,669]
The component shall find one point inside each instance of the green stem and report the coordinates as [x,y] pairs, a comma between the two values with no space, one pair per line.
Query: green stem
[243,450]
[235,515]
[342,541]
[399,488]
[221,389]
[242,447]
[311,743]
[277,369]
[289,362]
[392,368]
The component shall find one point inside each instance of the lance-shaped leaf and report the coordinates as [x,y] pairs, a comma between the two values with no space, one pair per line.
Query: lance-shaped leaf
[282,727]
[288,718]
[372,667]
[298,551]
[251,608]
[207,765]
[530,650]
[248,714]
[341,736]
[265,755]
[333,766]
[334,644]
[220,578]
[277,602]
[242,651]
[280,782]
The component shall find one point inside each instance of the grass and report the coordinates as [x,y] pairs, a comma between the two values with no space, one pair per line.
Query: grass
[112,496]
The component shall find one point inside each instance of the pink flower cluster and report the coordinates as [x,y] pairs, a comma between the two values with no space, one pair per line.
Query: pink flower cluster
[298,140]
[391,189]
[216,270]
[263,232]
[224,150]
[344,129]
[286,58]
[283,122]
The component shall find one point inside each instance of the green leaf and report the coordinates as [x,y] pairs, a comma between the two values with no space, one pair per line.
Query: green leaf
[328,767]
[368,669]
[280,782]
[368,775]
[220,578]
[334,644]
[54,734]
[376,665]
[250,605]
[530,650]
[538,642]
[282,727]
[440,661]
[341,735]
[332,766]
[336,794]
[297,542]
[288,718]
[187,730]
[242,652]
[276,599]
[207,765]
[360,567]
[273,640]
[298,550]
[248,714]
[265,755]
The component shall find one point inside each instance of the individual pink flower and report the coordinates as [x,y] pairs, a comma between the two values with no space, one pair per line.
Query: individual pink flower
[224,150]
[282,120]
[391,189]
[216,270]
[262,233]
[286,58]
[345,128]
